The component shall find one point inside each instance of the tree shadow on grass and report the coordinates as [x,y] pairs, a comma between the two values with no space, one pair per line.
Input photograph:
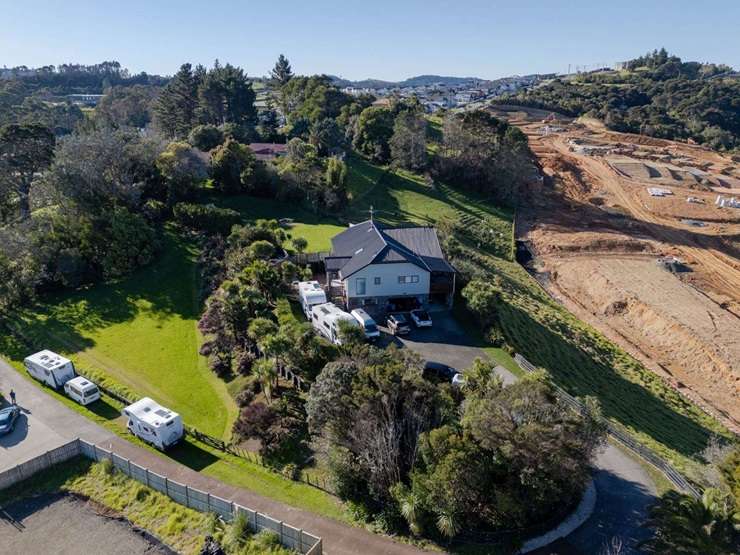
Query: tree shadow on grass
[164,289]
[104,410]
[634,405]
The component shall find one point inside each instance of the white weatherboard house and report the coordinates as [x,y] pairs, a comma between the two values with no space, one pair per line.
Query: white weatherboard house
[378,266]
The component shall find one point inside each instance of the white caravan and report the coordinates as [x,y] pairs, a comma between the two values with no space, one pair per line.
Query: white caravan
[153,423]
[50,368]
[310,294]
[325,319]
[82,390]
[367,324]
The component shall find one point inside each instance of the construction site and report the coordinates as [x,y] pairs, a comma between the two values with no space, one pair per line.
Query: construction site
[640,237]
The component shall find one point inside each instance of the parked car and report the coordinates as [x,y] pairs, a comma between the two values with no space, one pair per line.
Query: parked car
[440,371]
[82,390]
[366,323]
[8,416]
[397,324]
[421,318]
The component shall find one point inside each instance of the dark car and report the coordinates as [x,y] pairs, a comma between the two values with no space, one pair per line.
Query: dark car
[8,416]
[439,371]
[398,325]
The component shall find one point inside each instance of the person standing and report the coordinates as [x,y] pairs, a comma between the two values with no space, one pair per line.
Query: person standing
[12,397]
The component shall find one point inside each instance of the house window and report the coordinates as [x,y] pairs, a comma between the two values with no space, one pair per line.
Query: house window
[377,281]
[408,279]
[360,286]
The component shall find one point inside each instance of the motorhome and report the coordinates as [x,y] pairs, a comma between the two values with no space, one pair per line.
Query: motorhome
[82,390]
[50,368]
[310,294]
[325,318]
[366,323]
[153,423]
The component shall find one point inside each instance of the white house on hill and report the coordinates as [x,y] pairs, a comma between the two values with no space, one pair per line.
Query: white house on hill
[379,266]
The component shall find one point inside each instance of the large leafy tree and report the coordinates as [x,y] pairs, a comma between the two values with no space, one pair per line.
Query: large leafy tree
[374,407]
[312,99]
[408,143]
[484,154]
[282,72]
[516,456]
[373,131]
[25,150]
[183,168]
[105,168]
[233,167]
[126,106]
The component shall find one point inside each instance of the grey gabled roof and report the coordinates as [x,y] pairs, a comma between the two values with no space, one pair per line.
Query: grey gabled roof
[369,243]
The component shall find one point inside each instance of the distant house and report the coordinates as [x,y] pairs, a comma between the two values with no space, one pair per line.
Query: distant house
[375,267]
[268,151]
[85,99]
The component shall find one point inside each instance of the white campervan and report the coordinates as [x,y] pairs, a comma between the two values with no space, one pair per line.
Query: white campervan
[310,294]
[325,319]
[366,323]
[82,390]
[153,423]
[48,367]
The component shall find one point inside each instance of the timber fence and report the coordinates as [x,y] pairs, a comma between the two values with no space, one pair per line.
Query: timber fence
[622,437]
[203,501]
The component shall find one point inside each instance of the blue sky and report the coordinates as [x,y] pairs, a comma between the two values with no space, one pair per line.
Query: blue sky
[382,39]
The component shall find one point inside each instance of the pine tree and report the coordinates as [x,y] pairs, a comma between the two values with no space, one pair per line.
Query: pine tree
[174,110]
[282,72]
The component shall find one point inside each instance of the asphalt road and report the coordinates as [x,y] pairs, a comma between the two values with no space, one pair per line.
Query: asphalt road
[624,489]
[41,426]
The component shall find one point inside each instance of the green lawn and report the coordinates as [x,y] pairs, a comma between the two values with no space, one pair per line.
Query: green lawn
[317,230]
[402,197]
[141,332]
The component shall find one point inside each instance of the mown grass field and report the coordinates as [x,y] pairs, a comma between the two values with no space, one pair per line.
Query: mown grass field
[317,230]
[141,332]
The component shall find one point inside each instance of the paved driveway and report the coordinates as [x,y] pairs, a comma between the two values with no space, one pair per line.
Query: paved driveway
[41,425]
[445,342]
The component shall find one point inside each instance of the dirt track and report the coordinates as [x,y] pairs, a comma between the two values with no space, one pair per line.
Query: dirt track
[596,234]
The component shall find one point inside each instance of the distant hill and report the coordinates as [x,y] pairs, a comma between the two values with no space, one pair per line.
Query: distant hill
[657,95]
[418,81]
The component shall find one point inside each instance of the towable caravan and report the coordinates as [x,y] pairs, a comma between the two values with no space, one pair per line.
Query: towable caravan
[325,319]
[310,294]
[153,423]
[50,368]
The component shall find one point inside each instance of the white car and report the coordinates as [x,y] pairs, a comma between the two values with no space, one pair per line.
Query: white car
[82,390]
[421,318]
